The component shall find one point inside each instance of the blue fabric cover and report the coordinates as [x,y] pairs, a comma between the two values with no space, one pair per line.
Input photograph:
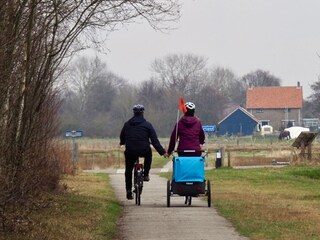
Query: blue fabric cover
[188,169]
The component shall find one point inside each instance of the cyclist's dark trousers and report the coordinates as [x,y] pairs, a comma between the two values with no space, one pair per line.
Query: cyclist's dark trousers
[130,159]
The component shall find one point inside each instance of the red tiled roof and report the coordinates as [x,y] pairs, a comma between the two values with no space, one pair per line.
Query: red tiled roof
[274,97]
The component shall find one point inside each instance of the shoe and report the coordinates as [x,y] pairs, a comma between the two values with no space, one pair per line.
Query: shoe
[129,195]
[146,178]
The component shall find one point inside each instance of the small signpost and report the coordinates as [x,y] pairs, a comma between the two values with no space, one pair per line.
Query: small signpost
[74,148]
[208,129]
[74,133]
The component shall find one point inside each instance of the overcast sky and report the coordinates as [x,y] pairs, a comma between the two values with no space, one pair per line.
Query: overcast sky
[279,36]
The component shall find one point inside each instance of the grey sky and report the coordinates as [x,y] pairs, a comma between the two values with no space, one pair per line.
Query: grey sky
[279,36]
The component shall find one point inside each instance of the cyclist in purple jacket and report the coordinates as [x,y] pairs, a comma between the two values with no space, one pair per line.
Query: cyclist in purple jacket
[188,131]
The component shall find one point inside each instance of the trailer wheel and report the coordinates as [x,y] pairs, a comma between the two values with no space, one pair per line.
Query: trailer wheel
[209,193]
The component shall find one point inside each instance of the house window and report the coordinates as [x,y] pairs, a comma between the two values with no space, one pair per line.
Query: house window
[259,110]
[265,122]
[288,123]
[287,110]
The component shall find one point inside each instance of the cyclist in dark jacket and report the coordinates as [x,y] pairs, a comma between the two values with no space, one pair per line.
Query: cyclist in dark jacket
[136,135]
[190,133]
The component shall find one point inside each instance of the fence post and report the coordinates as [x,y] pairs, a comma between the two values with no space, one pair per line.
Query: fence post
[229,158]
[309,152]
[222,150]
[218,159]
[75,154]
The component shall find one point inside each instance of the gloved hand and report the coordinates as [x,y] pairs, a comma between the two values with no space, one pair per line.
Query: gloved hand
[166,155]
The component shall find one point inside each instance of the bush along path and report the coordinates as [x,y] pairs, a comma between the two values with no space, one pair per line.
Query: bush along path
[154,220]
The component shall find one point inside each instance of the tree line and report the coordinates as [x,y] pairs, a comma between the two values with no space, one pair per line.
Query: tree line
[98,101]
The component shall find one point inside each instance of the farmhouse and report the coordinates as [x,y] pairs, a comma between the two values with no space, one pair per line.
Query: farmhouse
[239,122]
[280,107]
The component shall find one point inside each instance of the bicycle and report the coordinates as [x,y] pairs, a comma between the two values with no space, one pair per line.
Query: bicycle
[138,181]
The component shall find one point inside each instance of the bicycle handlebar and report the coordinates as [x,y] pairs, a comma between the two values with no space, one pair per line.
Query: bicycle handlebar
[191,151]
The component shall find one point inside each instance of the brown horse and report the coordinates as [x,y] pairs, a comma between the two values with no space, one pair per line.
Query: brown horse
[284,135]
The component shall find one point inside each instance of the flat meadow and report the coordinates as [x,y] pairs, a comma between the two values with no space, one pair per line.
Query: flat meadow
[262,200]
[270,203]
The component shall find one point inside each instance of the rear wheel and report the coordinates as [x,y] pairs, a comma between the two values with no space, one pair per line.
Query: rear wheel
[138,188]
[209,193]
[138,194]
[168,193]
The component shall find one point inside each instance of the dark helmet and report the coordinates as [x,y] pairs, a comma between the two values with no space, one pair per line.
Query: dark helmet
[138,108]
[190,106]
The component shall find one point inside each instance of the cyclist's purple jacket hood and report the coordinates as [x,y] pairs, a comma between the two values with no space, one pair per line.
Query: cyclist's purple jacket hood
[190,134]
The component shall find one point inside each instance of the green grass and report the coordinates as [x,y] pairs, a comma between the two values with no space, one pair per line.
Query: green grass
[309,173]
[88,210]
[159,161]
[269,203]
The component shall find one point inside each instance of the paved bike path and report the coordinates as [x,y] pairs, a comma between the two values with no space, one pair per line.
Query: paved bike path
[153,220]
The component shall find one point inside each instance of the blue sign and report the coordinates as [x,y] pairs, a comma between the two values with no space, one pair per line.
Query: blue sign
[209,128]
[74,133]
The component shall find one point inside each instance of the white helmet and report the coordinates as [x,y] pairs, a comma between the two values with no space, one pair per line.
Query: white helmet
[190,105]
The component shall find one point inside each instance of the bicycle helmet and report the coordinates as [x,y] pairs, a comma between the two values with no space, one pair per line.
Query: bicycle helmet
[138,108]
[190,106]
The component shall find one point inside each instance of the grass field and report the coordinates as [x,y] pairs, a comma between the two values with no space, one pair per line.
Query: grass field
[269,203]
[262,203]
[265,203]
[86,210]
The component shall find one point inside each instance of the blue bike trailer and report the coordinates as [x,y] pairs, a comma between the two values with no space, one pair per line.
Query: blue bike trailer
[188,169]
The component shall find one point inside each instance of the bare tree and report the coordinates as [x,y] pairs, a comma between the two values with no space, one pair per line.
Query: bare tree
[226,83]
[260,78]
[210,104]
[95,88]
[314,99]
[160,105]
[36,38]
[179,71]
[90,78]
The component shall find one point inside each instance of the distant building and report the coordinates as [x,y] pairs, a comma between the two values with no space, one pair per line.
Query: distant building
[312,123]
[239,122]
[280,107]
